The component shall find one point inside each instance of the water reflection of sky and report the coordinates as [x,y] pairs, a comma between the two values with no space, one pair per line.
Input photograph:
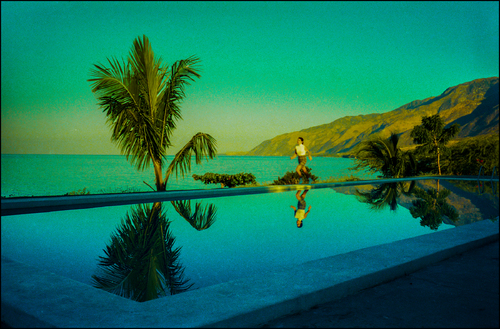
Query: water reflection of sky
[251,234]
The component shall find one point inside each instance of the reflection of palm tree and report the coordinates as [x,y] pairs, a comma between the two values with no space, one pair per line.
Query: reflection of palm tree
[141,100]
[431,206]
[384,156]
[201,219]
[141,262]
[385,194]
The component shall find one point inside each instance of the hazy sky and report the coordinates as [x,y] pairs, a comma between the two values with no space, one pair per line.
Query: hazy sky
[268,68]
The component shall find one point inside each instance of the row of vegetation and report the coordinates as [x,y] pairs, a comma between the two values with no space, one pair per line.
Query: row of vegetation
[430,205]
[432,155]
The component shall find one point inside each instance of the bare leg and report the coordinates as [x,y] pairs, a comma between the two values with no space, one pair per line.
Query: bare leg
[305,173]
[298,170]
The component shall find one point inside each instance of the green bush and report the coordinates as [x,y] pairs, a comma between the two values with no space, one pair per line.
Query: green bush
[240,179]
[291,177]
[468,156]
[79,192]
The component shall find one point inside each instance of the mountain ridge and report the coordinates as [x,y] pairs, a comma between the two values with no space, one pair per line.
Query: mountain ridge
[474,105]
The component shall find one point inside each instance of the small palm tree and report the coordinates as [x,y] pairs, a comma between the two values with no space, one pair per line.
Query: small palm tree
[141,98]
[433,137]
[141,262]
[384,156]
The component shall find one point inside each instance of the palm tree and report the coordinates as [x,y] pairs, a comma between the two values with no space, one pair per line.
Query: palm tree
[433,137]
[200,219]
[141,98]
[141,262]
[384,195]
[431,205]
[384,156]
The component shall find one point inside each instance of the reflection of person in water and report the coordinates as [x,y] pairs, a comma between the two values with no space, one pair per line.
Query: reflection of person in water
[300,212]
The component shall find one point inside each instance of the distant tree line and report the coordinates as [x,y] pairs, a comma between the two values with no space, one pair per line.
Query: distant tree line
[432,155]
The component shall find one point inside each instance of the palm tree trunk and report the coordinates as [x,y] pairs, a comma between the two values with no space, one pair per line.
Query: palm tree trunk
[439,165]
[160,186]
[157,207]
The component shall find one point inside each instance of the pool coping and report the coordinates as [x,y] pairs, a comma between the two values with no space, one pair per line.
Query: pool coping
[32,297]
[37,204]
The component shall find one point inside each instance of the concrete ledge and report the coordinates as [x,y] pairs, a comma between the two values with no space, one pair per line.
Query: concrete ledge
[29,205]
[32,297]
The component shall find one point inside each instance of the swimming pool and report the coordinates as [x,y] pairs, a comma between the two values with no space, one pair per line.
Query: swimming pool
[251,234]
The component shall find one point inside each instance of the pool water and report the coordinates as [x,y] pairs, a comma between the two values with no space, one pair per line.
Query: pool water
[251,234]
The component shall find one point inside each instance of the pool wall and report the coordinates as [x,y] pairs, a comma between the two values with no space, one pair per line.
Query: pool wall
[29,205]
[36,298]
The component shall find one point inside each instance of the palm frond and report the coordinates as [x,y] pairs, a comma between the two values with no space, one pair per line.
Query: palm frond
[201,145]
[201,219]
[148,71]
[114,82]
[168,108]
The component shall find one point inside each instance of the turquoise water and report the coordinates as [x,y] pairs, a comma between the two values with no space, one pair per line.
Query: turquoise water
[252,234]
[27,175]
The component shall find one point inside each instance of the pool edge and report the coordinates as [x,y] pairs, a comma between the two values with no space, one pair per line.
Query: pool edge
[62,302]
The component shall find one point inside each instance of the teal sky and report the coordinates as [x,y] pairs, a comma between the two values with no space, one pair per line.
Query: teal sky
[268,68]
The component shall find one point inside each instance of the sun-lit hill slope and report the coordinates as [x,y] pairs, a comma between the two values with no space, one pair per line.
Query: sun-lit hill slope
[474,105]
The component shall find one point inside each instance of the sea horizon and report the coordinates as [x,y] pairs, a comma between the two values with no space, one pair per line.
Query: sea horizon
[59,174]
[218,154]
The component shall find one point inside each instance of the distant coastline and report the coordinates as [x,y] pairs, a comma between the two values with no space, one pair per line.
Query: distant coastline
[473,105]
[340,155]
[234,153]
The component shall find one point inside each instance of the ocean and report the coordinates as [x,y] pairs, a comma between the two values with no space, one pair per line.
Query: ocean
[43,174]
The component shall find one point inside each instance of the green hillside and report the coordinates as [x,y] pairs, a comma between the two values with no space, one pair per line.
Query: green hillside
[474,105]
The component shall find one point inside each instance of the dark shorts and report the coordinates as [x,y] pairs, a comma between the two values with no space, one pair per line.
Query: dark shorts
[302,160]
[301,204]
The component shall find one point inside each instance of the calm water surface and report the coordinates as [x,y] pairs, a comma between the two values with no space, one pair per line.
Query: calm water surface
[251,234]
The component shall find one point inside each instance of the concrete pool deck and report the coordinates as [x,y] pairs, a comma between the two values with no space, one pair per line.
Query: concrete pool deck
[459,292]
[35,298]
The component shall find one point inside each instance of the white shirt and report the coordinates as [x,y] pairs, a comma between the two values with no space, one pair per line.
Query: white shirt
[300,214]
[301,150]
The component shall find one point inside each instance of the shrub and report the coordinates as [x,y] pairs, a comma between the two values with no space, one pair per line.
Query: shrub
[468,156]
[240,179]
[291,177]
[79,192]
